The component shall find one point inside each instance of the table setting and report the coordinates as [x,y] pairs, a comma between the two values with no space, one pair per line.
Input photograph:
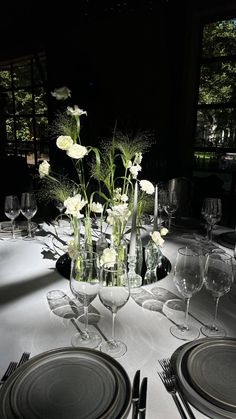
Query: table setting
[115,311]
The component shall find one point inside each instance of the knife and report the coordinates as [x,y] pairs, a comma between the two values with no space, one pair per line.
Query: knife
[143,399]
[135,394]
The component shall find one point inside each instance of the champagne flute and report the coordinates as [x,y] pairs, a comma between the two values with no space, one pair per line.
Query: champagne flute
[218,280]
[12,210]
[212,213]
[28,209]
[188,279]
[84,285]
[114,294]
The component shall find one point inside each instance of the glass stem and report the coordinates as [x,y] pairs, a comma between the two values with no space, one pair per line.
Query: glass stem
[29,229]
[86,320]
[186,314]
[169,222]
[210,232]
[216,312]
[113,327]
[13,228]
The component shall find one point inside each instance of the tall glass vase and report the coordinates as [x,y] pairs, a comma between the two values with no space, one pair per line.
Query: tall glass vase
[139,253]
[153,256]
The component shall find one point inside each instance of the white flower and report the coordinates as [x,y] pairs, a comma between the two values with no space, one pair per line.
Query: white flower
[134,170]
[156,237]
[147,187]
[108,258]
[44,168]
[110,220]
[61,93]
[96,207]
[75,111]
[124,198]
[77,151]
[74,205]
[164,231]
[72,251]
[120,211]
[64,142]
[138,158]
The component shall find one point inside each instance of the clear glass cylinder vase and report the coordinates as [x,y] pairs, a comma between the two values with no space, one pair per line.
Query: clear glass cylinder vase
[153,256]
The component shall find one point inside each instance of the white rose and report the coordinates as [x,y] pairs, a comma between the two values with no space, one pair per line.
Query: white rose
[147,187]
[77,151]
[75,111]
[164,231]
[64,142]
[108,257]
[61,93]
[156,237]
[44,168]
[74,205]
[96,207]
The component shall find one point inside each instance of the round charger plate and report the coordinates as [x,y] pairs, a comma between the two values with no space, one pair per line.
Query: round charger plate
[179,361]
[212,370]
[227,239]
[67,383]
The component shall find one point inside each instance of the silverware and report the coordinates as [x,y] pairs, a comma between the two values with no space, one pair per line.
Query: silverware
[10,369]
[167,368]
[169,384]
[24,357]
[135,394]
[142,399]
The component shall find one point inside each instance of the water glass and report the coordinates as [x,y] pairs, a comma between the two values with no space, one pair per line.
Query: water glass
[28,209]
[12,210]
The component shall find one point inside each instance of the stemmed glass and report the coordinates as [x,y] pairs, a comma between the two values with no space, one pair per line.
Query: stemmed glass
[188,279]
[28,209]
[84,285]
[212,213]
[170,206]
[114,294]
[60,206]
[12,210]
[218,280]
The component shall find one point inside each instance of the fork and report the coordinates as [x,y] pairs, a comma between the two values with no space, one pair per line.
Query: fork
[10,369]
[169,384]
[167,368]
[24,357]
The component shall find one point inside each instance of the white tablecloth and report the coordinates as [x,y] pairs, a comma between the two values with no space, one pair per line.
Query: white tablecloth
[27,324]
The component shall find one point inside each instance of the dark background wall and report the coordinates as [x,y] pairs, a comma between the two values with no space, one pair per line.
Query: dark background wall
[131,63]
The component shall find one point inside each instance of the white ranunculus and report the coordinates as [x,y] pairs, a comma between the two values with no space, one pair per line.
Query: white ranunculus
[164,231]
[134,170]
[147,186]
[75,111]
[44,168]
[108,258]
[156,237]
[96,207]
[61,93]
[74,205]
[120,211]
[77,151]
[64,142]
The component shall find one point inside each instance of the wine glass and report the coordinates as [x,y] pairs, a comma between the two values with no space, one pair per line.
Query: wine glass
[84,285]
[188,279]
[170,206]
[60,206]
[212,213]
[218,280]
[12,210]
[114,294]
[28,209]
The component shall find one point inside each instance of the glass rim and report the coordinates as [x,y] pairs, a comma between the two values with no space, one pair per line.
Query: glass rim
[188,251]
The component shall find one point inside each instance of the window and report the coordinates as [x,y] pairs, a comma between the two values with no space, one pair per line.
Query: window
[215,140]
[23,108]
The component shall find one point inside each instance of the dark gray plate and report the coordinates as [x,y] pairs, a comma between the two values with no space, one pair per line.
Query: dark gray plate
[179,361]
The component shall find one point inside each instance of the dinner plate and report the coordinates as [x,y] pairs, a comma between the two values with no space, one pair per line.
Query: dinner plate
[212,371]
[179,361]
[21,228]
[67,383]
[187,223]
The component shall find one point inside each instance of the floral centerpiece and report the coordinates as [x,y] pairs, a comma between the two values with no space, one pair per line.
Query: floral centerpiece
[114,167]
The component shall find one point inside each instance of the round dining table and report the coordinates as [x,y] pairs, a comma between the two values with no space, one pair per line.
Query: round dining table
[28,272]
